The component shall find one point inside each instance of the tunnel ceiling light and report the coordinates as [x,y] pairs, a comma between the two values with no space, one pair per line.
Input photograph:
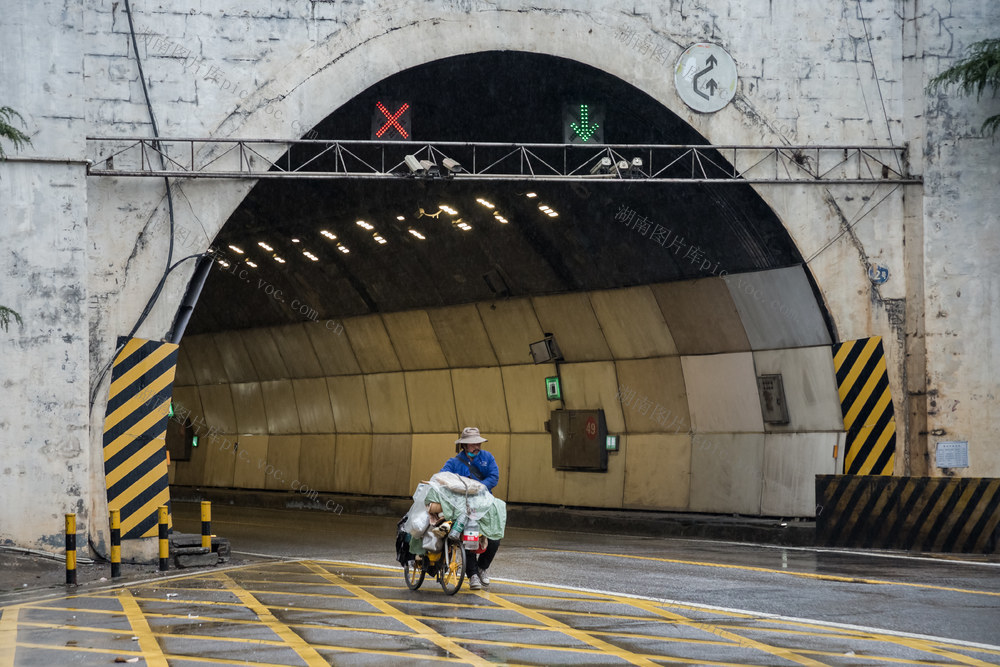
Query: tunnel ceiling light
[544,207]
[378,237]
[447,209]
[463,226]
[417,234]
[235,249]
[530,195]
[500,218]
[485,203]
[310,255]
[400,217]
[251,264]
[365,225]
[265,246]
[342,248]
[329,235]
[279,260]
[295,241]
[223,263]
[552,214]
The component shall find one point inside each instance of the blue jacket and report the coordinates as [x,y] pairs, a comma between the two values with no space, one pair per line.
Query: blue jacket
[484,463]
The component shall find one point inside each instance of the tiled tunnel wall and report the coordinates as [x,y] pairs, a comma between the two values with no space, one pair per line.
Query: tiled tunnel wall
[375,407]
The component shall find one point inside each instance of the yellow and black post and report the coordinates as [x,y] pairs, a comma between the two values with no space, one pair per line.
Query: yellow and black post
[71,549]
[164,543]
[116,544]
[206,524]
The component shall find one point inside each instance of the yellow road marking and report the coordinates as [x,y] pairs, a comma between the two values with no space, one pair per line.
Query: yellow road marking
[292,639]
[931,647]
[8,636]
[424,631]
[570,631]
[722,627]
[779,651]
[147,642]
[790,573]
[169,656]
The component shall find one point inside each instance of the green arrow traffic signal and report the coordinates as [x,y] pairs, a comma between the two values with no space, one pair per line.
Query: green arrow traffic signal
[584,129]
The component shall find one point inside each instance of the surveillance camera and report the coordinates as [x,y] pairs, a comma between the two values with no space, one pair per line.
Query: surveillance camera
[413,164]
[603,166]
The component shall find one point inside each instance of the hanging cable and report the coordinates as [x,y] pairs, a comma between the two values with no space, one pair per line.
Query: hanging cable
[878,86]
[850,226]
[170,210]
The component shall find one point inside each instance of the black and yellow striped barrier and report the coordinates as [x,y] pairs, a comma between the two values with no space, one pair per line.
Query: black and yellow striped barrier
[865,401]
[938,514]
[135,425]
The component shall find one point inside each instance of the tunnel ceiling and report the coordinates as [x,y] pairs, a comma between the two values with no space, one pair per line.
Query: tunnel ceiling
[484,97]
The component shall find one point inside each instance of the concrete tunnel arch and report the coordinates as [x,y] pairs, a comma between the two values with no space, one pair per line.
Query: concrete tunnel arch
[326,411]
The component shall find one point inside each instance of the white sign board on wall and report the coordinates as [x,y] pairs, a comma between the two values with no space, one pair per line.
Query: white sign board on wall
[952,454]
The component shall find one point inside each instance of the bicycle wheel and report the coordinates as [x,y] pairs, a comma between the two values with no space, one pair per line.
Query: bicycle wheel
[414,574]
[453,570]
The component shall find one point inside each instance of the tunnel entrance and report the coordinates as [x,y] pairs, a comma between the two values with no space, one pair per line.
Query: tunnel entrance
[353,326]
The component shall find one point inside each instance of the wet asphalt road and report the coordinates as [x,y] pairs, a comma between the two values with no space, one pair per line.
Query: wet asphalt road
[939,597]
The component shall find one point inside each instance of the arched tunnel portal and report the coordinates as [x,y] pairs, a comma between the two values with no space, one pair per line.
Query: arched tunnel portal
[351,327]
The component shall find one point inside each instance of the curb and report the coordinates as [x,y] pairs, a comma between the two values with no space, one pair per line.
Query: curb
[540,517]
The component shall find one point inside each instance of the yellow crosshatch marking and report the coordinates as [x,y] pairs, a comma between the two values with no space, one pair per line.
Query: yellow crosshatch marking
[323,612]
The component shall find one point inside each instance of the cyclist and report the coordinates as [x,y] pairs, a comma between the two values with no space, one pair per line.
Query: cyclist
[471,460]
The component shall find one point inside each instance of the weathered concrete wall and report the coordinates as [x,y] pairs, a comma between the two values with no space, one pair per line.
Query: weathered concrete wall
[846,72]
[45,453]
[961,246]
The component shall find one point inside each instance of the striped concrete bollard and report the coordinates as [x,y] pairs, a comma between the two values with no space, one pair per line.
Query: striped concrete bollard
[164,540]
[71,549]
[206,524]
[116,544]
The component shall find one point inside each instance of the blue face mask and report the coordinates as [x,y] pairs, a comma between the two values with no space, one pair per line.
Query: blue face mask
[472,455]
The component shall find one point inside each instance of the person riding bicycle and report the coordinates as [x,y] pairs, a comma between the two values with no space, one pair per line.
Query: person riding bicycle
[471,460]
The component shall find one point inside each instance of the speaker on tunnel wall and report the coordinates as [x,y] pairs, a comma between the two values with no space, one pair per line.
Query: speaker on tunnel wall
[179,439]
[579,440]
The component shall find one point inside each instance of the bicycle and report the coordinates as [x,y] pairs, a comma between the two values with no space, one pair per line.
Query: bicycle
[447,566]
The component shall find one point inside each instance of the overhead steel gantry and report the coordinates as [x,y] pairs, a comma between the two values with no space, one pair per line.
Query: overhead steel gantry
[334,159]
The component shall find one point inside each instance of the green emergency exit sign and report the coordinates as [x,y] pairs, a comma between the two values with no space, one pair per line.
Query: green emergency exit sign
[552,389]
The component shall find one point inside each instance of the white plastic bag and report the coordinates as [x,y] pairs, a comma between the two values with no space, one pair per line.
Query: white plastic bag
[432,542]
[458,484]
[418,523]
[418,513]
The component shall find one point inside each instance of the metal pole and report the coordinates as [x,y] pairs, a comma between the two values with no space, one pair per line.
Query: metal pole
[116,544]
[164,544]
[206,524]
[71,549]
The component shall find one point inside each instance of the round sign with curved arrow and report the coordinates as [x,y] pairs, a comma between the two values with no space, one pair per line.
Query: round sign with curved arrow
[705,77]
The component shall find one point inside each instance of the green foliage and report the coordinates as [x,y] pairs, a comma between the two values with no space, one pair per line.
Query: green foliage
[11,133]
[979,70]
[5,315]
